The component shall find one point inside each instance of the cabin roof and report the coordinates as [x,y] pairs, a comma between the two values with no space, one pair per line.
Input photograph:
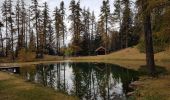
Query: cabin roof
[100,48]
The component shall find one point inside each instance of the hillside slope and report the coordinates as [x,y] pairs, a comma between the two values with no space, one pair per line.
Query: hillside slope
[128,54]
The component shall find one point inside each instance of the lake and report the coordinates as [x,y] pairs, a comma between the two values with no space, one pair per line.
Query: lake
[88,81]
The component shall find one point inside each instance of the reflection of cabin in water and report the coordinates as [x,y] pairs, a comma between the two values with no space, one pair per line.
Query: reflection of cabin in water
[100,66]
[100,51]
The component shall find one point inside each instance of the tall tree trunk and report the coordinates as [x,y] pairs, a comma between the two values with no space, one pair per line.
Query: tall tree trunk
[26,35]
[12,35]
[2,44]
[148,40]
[106,41]
[6,33]
[63,34]
[12,40]
[18,29]
[149,45]
[36,30]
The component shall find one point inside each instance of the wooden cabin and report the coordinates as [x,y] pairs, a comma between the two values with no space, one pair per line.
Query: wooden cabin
[100,51]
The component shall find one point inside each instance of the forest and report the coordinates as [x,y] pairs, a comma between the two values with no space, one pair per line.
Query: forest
[32,29]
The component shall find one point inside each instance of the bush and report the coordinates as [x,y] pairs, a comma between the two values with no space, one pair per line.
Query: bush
[144,70]
[160,42]
[24,55]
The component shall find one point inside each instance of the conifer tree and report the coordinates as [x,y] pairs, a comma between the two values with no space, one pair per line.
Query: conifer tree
[45,23]
[105,15]
[58,26]
[5,19]
[35,18]
[76,25]
[1,40]
[126,26]
[62,11]
[145,9]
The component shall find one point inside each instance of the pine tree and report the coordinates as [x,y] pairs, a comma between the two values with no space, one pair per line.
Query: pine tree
[62,11]
[18,16]
[143,6]
[63,27]
[45,23]
[85,42]
[126,26]
[5,14]
[76,25]
[99,33]
[40,52]
[11,21]
[58,26]
[32,38]
[105,15]
[118,11]
[117,16]
[93,30]
[1,41]
[51,38]
[35,18]
[72,15]
[23,22]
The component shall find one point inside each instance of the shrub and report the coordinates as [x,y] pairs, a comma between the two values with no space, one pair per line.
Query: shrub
[24,55]
[160,42]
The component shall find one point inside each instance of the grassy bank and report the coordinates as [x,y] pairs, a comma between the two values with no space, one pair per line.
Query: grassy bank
[129,54]
[151,89]
[30,57]
[14,88]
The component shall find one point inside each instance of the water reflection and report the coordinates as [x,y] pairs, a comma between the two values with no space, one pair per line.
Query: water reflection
[15,70]
[88,81]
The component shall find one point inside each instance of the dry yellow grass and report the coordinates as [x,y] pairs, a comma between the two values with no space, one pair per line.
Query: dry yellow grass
[127,54]
[129,58]
[15,88]
[29,57]
[154,88]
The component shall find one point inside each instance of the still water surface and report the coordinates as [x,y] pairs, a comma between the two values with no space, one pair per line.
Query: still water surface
[88,81]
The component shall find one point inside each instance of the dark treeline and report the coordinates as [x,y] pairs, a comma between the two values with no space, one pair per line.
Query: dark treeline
[26,28]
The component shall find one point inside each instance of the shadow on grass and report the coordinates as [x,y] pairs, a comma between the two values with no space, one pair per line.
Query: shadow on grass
[144,70]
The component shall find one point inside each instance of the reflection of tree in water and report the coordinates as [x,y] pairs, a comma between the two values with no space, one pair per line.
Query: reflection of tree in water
[101,78]
[60,78]
[100,81]
[45,74]
[78,86]
[105,81]
[126,76]
[52,75]
[28,72]
[89,81]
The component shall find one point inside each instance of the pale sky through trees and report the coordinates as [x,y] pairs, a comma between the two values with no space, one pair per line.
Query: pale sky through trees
[94,5]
